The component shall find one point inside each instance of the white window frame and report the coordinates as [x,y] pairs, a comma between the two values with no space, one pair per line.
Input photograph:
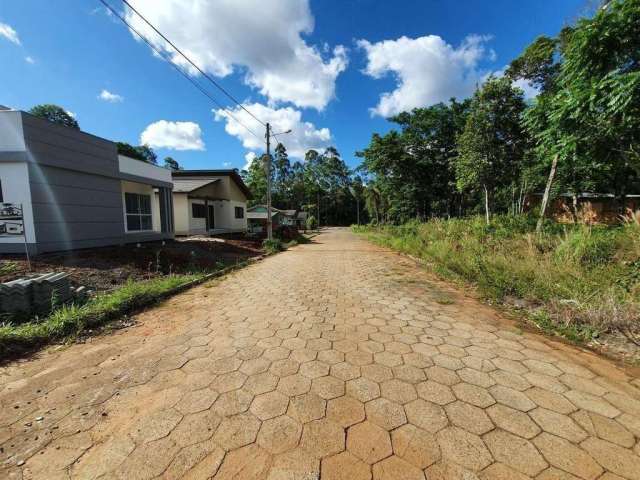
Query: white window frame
[127,214]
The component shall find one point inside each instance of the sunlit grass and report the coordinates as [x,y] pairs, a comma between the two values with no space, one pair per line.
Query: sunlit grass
[69,320]
[580,280]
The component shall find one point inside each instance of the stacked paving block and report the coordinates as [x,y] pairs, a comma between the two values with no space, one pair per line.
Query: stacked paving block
[26,297]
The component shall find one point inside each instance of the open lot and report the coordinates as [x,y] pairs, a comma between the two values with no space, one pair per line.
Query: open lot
[104,269]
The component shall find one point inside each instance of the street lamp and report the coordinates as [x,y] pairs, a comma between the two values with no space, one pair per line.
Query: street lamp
[268,136]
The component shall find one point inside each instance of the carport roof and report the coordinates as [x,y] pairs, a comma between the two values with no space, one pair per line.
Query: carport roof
[188,185]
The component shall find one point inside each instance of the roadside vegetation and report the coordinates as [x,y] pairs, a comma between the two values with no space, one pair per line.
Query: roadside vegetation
[74,319]
[500,151]
[469,186]
[575,280]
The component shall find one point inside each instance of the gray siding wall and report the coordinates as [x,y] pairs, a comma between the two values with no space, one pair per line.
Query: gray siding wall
[75,188]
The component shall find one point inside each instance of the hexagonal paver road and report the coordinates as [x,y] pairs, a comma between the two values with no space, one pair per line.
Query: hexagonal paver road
[334,360]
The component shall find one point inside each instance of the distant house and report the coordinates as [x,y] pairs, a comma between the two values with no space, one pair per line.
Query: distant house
[65,189]
[257,218]
[301,219]
[209,202]
[599,207]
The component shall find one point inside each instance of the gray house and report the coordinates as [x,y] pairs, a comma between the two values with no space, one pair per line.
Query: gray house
[74,190]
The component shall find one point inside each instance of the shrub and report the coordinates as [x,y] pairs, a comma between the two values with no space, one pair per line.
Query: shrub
[587,246]
[272,246]
[312,223]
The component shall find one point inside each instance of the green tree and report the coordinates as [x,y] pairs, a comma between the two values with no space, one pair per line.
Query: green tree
[255,177]
[171,164]
[591,123]
[55,114]
[413,169]
[282,177]
[143,152]
[493,144]
[147,154]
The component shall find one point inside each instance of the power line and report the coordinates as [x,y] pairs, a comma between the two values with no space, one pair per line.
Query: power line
[206,75]
[182,72]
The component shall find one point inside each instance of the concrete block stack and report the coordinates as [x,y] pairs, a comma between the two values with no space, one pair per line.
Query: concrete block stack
[26,297]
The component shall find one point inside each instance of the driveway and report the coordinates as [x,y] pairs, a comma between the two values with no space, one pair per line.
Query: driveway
[336,359]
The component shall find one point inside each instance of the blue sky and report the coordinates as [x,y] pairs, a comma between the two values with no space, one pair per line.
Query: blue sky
[319,67]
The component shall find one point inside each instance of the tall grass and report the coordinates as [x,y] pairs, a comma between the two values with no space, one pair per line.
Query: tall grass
[576,278]
[73,319]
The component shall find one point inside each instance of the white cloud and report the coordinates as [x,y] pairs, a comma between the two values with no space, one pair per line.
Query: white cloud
[110,97]
[265,42]
[529,90]
[29,59]
[173,135]
[9,33]
[71,114]
[248,160]
[303,136]
[427,69]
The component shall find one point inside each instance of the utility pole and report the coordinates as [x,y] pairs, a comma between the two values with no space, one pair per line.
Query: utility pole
[269,224]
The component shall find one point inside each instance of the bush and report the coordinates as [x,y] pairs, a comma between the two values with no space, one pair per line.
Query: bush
[286,232]
[273,246]
[587,246]
[312,223]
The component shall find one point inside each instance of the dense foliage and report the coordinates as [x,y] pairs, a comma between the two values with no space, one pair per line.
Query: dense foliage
[322,184]
[488,153]
[141,152]
[55,114]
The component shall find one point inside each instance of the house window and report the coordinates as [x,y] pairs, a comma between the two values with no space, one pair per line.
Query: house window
[198,210]
[138,208]
[239,212]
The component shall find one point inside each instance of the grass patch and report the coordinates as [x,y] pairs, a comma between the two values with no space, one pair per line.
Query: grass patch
[7,267]
[578,280]
[70,320]
[279,245]
[272,246]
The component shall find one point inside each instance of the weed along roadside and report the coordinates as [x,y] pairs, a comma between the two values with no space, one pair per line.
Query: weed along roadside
[70,321]
[579,282]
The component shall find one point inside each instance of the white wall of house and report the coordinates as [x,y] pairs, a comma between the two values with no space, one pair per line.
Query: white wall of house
[140,188]
[133,166]
[224,210]
[196,225]
[11,132]
[226,215]
[14,181]
[180,213]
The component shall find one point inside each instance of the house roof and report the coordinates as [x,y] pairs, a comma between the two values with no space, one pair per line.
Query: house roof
[215,173]
[263,208]
[261,215]
[188,185]
[588,195]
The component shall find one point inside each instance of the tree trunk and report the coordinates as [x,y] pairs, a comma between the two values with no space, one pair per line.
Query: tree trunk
[486,203]
[547,191]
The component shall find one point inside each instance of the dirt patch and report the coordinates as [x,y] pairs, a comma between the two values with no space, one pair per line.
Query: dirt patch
[104,269]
